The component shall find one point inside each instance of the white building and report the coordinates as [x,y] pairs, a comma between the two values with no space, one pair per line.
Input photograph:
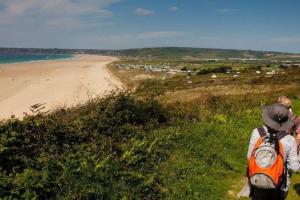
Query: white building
[273,72]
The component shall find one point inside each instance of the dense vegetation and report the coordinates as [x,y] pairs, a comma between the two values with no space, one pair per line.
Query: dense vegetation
[107,149]
[123,147]
[222,69]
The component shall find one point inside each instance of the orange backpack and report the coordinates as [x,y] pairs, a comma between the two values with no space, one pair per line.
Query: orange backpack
[266,167]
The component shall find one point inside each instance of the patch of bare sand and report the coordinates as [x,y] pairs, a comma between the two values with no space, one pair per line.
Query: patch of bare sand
[54,83]
[143,77]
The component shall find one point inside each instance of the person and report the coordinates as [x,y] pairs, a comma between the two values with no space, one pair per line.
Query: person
[276,122]
[284,100]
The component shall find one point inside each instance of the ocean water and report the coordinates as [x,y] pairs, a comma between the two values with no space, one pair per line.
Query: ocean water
[18,58]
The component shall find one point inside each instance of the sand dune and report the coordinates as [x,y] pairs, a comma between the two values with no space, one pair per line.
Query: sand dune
[53,83]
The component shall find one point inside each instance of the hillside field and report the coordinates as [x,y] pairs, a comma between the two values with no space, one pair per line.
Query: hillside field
[177,136]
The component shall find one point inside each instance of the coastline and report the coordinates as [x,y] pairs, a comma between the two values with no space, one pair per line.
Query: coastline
[66,57]
[54,83]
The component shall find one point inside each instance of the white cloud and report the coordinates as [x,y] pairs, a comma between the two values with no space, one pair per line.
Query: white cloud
[53,7]
[39,11]
[143,12]
[160,34]
[52,23]
[174,8]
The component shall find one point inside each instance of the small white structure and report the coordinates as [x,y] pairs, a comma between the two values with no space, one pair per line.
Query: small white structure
[273,72]
[171,72]
[236,75]
[190,82]
[238,72]
[214,76]
[258,72]
[188,77]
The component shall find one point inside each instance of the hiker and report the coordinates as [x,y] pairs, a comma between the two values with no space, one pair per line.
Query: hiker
[272,154]
[295,130]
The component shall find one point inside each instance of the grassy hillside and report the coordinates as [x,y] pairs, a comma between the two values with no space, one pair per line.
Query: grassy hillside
[163,52]
[169,139]
[215,118]
[124,148]
[197,53]
[210,159]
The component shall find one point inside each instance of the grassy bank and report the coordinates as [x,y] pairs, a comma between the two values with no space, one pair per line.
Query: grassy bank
[210,159]
[177,143]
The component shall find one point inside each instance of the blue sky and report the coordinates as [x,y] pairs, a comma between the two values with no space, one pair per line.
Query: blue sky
[118,24]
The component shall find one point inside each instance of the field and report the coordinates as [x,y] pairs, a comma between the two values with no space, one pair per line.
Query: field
[180,135]
[216,118]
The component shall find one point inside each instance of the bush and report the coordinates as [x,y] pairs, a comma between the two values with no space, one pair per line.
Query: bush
[222,69]
[101,150]
[184,69]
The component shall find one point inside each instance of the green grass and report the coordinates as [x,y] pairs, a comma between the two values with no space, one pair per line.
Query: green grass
[296,107]
[294,193]
[210,158]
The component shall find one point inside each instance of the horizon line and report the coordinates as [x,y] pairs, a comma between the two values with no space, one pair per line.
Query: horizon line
[154,47]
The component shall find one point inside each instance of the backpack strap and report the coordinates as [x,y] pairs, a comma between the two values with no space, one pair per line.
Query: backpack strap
[281,135]
[262,132]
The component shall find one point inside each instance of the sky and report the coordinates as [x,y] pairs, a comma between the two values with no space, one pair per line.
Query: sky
[120,24]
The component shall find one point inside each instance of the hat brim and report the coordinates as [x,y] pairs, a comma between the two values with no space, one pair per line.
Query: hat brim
[286,126]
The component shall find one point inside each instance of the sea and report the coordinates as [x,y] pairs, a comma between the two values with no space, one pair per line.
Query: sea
[8,58]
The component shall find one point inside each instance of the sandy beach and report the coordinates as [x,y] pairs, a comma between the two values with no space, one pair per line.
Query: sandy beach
[53,83]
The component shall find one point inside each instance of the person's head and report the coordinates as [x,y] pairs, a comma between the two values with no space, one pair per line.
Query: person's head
[285,101]
[276,117]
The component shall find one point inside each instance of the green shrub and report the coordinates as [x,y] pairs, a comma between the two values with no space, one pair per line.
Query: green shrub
[222,69]
[102,150]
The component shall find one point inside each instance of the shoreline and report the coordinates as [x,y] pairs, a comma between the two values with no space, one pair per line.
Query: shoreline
[70,57]
[54,83]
